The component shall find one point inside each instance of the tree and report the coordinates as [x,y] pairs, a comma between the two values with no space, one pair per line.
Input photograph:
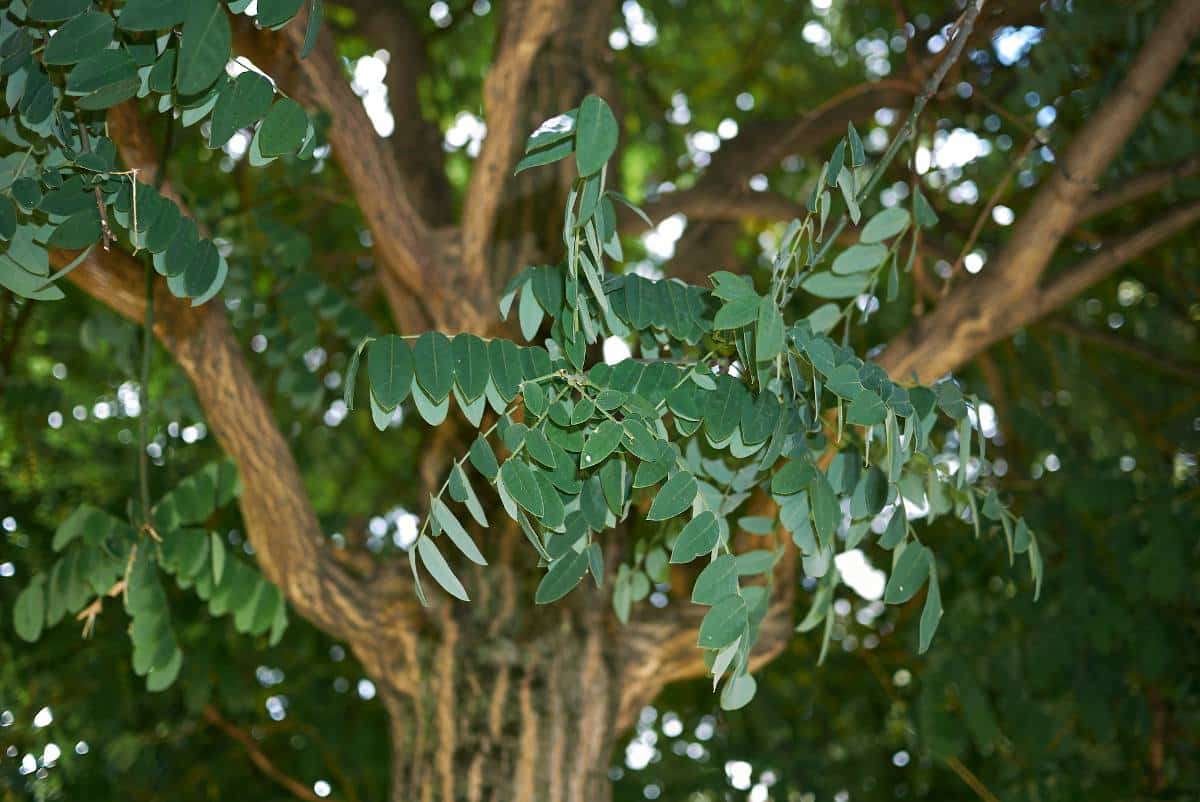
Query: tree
[502,698]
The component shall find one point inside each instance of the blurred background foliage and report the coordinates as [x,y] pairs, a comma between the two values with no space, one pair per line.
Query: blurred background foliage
[1092,419]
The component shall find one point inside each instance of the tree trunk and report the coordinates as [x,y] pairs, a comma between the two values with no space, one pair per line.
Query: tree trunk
[498,701]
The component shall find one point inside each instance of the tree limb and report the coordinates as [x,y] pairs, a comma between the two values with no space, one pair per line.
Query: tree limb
[258,757]
[1137,187]
[416,141]
[1078,278]
[280,522]
[982,311]
[403,242]
[524,30]
[1189,371]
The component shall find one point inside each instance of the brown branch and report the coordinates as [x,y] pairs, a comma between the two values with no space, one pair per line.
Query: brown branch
[524,30]
[707,203]
[972,782]
[416,141]
[258,757]
[1074,281]
[288,542]
[987,308]
[404,247]
[1189,371]
[1137,187]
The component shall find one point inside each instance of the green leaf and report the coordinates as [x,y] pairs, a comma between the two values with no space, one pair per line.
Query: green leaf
[740,311]
[77,231]
[908,575]
[896,529]
[828,285]
[316,15]
[555,129]
[859,259]
[433,358]
[390,369]
[437,566]
[794,476]
[613,479]
[836,162]
[564,574]
[241,103]
[29,610]
[151,15]
[826,511]
[56,10]
[455,531]
[931,614]
[601,443]
[674,497]
[283,129]
[505,361]
[104,79]
[205,46]
[538,447]
[738,692]
[547,155]
[273,13]
[857,156]
[519,482]
[922,211]
[724,623]
[768,335]
[717,581]
[483,458]
[595,135]
[866,409]
[79,38]
[217,556]
[8,219]
[698,537]
[529,313]
[759,561]
[471,367]
[884,225]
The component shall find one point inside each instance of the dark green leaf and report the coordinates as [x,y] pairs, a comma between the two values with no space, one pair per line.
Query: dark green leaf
[273,13]
[471,367]
[931,614]
[56,10]
[908,575]
[151,15]
[77,231]
[79,38]
[519,481]
[674,497]
[205,46]
[433,361]
[283,129]
[241,103]
[437,566]
[29,610]
[547,155]
[390,369]
[564,574]
[768,335]
[724,623]
[698,537]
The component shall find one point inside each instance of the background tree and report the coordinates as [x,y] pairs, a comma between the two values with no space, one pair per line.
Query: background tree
[1059,153]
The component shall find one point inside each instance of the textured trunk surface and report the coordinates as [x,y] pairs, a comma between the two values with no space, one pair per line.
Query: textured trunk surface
[498,700]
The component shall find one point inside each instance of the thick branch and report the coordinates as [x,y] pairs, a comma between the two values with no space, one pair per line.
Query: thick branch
[987,308]
[280,522]
[403,241]
[524,31]
[1137,187]
[416,141]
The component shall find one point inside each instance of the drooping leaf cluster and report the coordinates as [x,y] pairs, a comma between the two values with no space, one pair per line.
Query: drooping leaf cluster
[727,399]
[64,63]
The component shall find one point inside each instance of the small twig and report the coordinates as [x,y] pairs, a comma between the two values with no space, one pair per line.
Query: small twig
[986,212]
[968,777]
[105,230]
[258,757]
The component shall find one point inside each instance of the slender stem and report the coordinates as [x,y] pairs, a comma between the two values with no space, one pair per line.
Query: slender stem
[965,26]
